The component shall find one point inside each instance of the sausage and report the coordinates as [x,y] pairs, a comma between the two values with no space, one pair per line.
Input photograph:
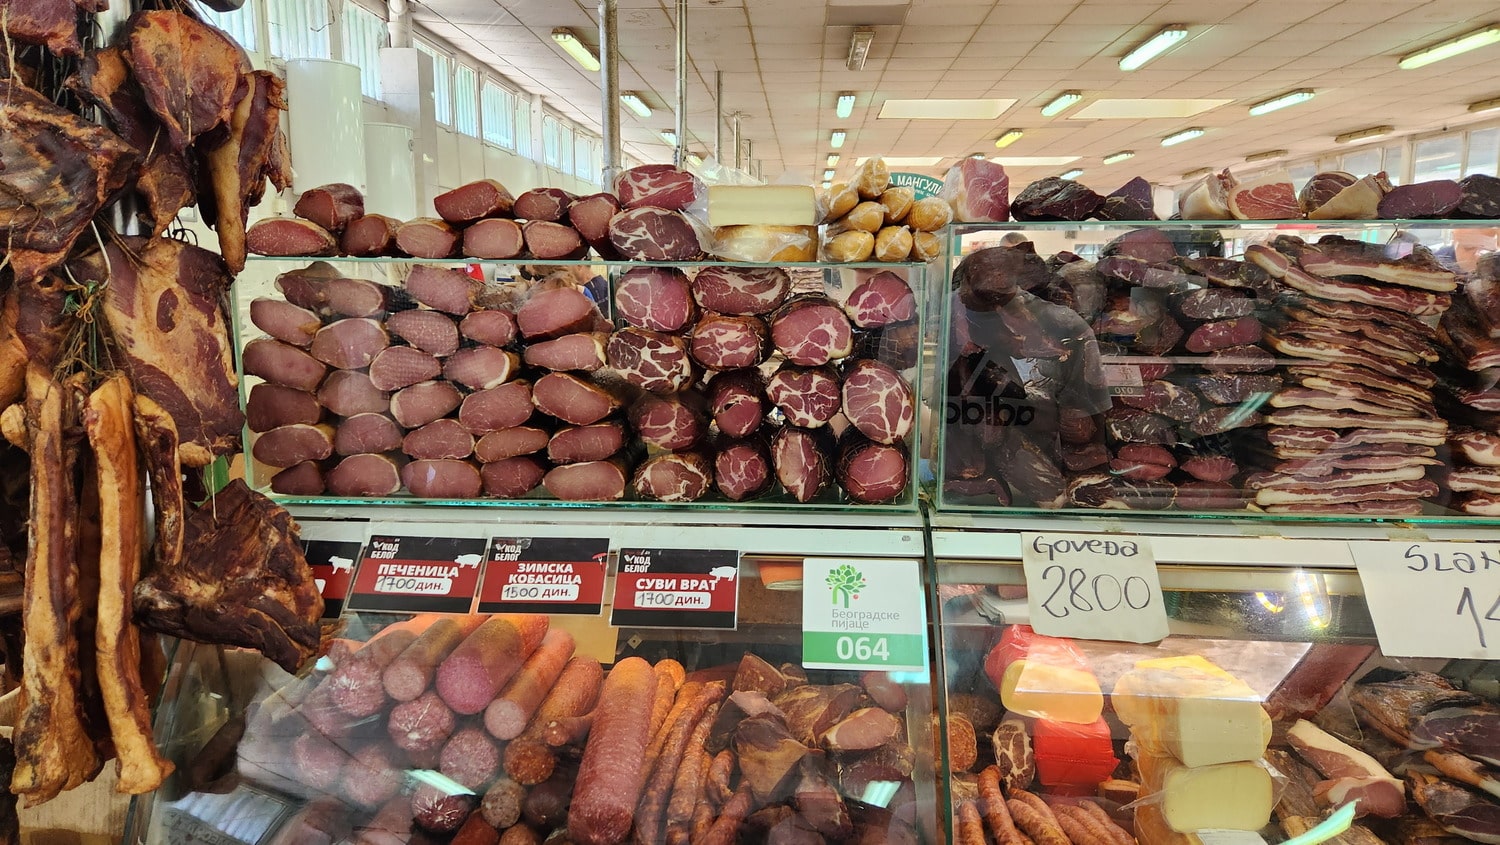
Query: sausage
[493,327]
[478,669]
[304,479]
[546,805]
[331,206]
[347,393]
[670,676]
[370,236]
[354,686]
[364,475]
[427,237]
[282,363]
[520,835]
[1080,827]
[993,807]
[482,367]
[402,366]
[527,759]
[423,724]
[568,730]
[512,478]
[423,402]
[1035,819]
[496,239]
[507,716]
[501,805]
[476,831]
[687,786]
[675,749]
[591,481]
[438,810]
[349,344]
[555,312]
[390,826]
[445,438]
[544,204]
[1106,824]
[511,442]
[445,289]
[970,830]
[662,729]
[371,777]
[470,758]
[318,763]
[432,332]
[365,434]
[546,240]
[442,479]
[407,675]
[286,237]
[717,785]
[727,826]
[284,321]
[474,201]
[273,405]
[293,444]
[572,399]
[611,777]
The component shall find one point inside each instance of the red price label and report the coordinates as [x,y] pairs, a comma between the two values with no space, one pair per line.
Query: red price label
[548,575]
[677,588]
[418,574]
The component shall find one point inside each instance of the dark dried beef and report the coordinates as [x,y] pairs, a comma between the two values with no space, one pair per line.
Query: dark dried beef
[1055,198]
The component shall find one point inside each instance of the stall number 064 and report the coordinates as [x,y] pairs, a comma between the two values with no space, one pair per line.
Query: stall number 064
[1104,593]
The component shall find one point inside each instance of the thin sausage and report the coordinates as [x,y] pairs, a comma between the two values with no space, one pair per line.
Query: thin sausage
[507,716]
[611,777]
[674,750]
[527,759]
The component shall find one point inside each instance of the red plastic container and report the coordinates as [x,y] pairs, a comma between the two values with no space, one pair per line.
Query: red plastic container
[1072,759]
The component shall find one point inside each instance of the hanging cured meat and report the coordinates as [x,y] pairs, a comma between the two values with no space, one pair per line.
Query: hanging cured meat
[238,167]
[189,72]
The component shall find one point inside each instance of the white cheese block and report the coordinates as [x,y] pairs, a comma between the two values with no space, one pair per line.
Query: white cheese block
[1232,796]
[1194,711]
[763,205]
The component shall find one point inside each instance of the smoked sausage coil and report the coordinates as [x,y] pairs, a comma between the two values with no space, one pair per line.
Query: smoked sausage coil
[687,787]
[996,814]
[674,750]
[610,777]
[726,828]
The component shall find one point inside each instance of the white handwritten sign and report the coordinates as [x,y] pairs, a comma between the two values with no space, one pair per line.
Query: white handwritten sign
[1093,586]
[1432,599]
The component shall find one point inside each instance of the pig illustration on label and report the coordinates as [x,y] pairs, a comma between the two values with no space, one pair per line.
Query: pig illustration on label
[469,561]
[341,564]
[726,573]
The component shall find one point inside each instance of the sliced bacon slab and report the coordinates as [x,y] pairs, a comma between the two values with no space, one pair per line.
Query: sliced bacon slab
[1408,300]
[1330,349]
[1321,440]
[1320,376]
[1477,447]
[1336,256]
[1397,491]
[1312,418]
[1338,396]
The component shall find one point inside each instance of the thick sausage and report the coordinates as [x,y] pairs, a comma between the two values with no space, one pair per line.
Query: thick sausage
[408,675]
[439,810]
[423,724]
[509,443]
[423,402]
[582,351]
[372,776]
[370,236]
[528,760]
[285,237]
[476,831]
[442,479]
[273,405]
[354,685]
[478,669]
[402,366]
[293,444]
[349,344]
[284,321]
[674,749]
[364,475]
[507,716]
[282,363]
[482,367]
[553,241]
[512,478]
[496,239]
[318,763]
[432,332]
[446,289]
[366,434]
[546,804]
[347,393]
[427,237]
[687,787]
[493,327]
[568,730]
[331,206]
[501,805]
[610,778]
[555,312]
[572,399]
[547,204]
[592,481]
[474,201]
[304,479]
[520,834]
[470,758]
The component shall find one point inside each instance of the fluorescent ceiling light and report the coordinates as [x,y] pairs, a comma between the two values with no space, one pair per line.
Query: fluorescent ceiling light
[575,48]
[1061,102]
[845,106]
[1073,174]
[833,160]
[670,137]
[1185,135]
[859,47]
[1116,158]
[695,159]
[634,102]
[828,175]
[1144,109]
[944,109]
[905,161]
[1290,98]
[1154,46]
[1365,134]
[1200,172]
[836,138]
[1008,137]
[1034,161]
[1448,49]
[827,185]
[1266,156]
[1485,105]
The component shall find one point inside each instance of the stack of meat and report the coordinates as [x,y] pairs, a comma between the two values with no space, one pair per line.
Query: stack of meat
[1470,398]
[868,219]
[448,388]
[532,740]
[1355,427]
[979,192]
[1335,195]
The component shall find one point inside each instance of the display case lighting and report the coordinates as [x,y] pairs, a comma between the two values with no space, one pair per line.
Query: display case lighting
[1061,102]
[1485,105]
[1199,173]
[828,175]
[859,47]
[1185,135]
[845,105]
[634,102]
[577,49]
[833,160]
[1268,155]
[1453,47]
[670,137]
[1290,98]
[1154,46]
[1008,137]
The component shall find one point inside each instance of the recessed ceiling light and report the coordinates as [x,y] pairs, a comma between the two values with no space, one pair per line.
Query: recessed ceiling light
[1448,49]
[828,175]
[827,185]
[634,102]
[836,138]
[1034,161]
[1073,174]
[944,109]
[1266,156]
[575,48]
[1365,134]
[859,47]
[1154,46]
[833,160]
[1008,137]
[1485,105]
[905,161]
[1290,98]
[1200,172]
[670,137]
[1116,158]
[845,105]
[1185,135]
[1061,102]
[1144,109]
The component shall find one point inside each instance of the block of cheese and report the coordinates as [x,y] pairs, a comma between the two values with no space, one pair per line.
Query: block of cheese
[1151,828]
[766,244]
[762,205]
[1044,677]
[1232,796]
[1192,710]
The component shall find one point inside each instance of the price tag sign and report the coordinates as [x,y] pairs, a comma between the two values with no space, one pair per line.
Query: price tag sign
[546,575]
[404,574]
[677,588]
[1432,599]
[1094,587]
[332,548]
[863,614]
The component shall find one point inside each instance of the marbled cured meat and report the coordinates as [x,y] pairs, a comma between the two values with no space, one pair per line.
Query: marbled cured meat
[674,422]
[1408,346]
[1267,197]
[880,300]
[741,291]
[1226,389]
[674,477]
[1314,441]
[1480,199]
[1312,418]
[1407,323]
[742,468]
[1355,342]
[1224,334]
[978,190]
[722,342]
[737,401]
[1322,188]
[657,298]
[1209,304]
[810,330]
[1130,202]
[808,397]
[1054,198]
[1398,491]
[1408,300]
[650,360]
[872,472]
[658,186]
[1333,371]
[1333,350]
[543,204]
[1336,256]
[654,234]
[878,401]
[1477,447]
[1334,396]
[1165,398]
[803,462]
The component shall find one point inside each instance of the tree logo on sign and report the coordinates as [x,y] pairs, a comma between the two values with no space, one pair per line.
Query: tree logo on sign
[845,581]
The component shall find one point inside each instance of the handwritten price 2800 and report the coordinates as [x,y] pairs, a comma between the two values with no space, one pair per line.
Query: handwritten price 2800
[1106,591]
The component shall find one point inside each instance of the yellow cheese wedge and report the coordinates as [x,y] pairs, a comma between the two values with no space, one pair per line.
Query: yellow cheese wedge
[1151,828]
[1193,710]
[1231,796]
[763,205]
[1044,691]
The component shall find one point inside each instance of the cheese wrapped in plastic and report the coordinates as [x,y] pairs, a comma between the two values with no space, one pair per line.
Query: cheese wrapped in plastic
[1151,828]
[1192,710]
[1044,677]
[1228,796]
[766,244]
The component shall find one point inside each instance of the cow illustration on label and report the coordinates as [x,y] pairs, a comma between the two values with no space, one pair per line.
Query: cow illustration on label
[470,561]
[341,564]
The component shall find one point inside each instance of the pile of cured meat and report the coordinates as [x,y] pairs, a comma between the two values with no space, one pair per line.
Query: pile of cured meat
[1470,398]
[979,192]
[718,383]
[116,368]
[867,218]
[521,739]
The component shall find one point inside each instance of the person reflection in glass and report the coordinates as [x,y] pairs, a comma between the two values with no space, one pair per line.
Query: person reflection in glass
[1026,389]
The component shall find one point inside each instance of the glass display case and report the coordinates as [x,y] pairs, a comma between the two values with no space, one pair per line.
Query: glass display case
[1304,369]
[710,384]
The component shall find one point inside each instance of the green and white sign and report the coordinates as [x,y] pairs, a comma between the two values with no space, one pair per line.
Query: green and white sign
[863,614]
[923,186]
